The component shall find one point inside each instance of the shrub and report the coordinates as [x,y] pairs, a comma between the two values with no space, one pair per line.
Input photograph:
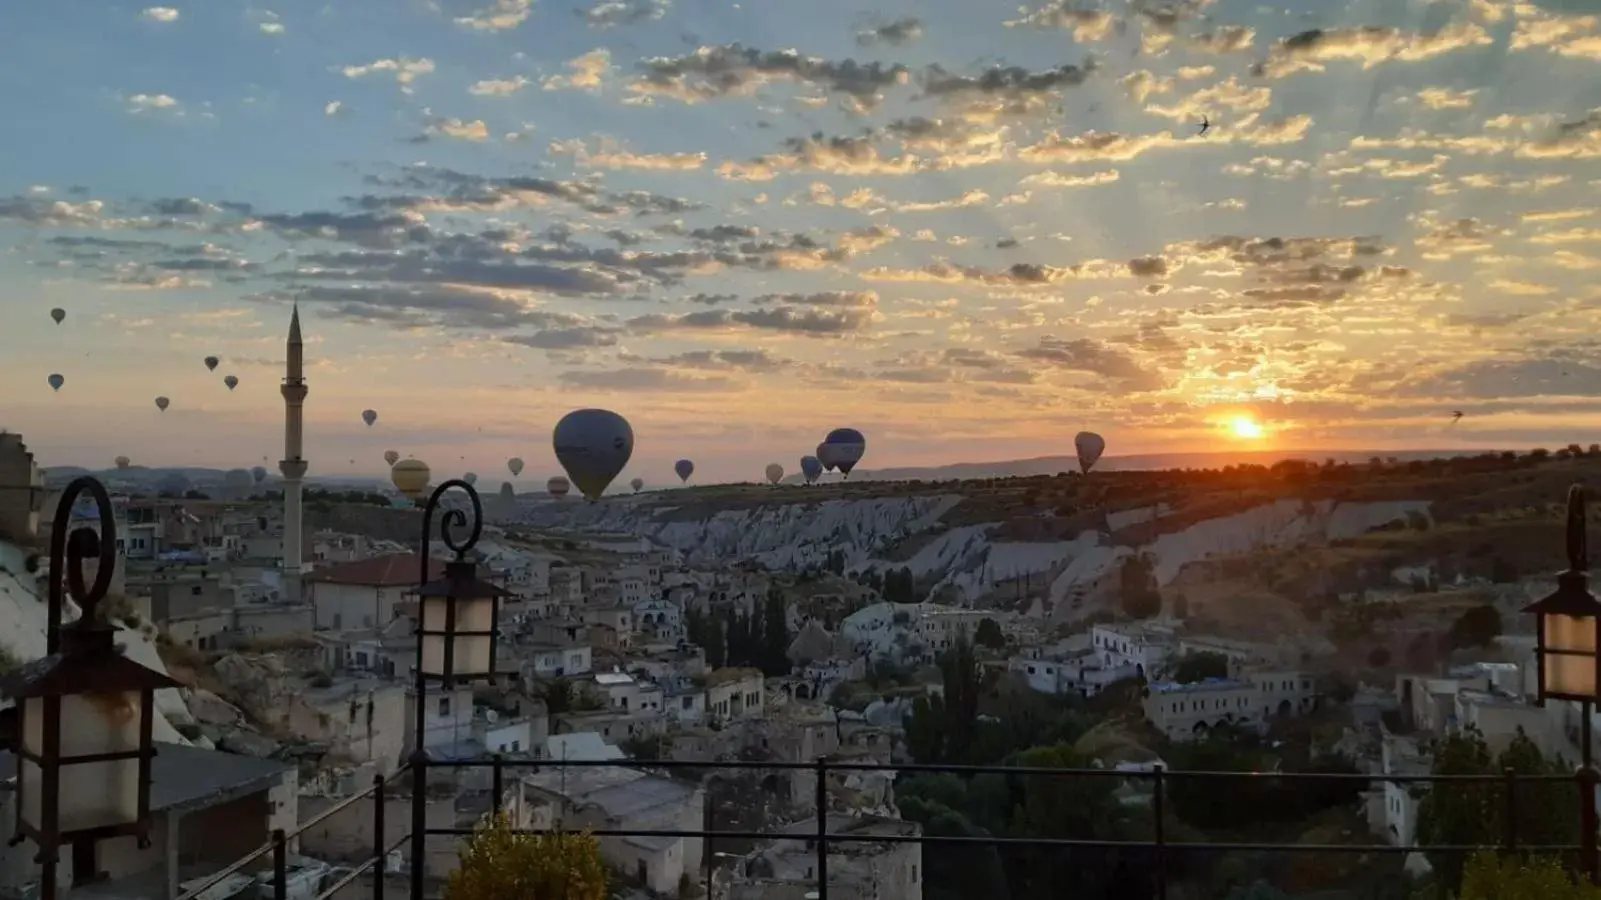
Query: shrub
[499,863]
[1489,877]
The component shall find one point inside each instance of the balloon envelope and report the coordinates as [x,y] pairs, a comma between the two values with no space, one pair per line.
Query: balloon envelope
[1089,446]
[162,403]
[593,445]
[470,478]
[58,314]
[825,455]
[211,363]
[515,464]
[811,468]
[684,468]
[259,473]
[232,381]
[558,486]
[56,381]
[847,446]
[636,484]
[122,462]
[775,473]
[369,416]
[391,457]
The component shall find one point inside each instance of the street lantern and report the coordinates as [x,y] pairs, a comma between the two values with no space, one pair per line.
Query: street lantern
[1568,622]
[458,617]
[85,711]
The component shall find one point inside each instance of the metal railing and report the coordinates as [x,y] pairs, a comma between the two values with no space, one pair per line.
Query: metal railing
[1160,847]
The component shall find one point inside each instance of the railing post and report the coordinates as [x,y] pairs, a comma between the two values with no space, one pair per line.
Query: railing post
[821,802]
[380,841]
[280,865]
[1158,807]
[1509,794]
[1588,778]
[419,817]
[497,782]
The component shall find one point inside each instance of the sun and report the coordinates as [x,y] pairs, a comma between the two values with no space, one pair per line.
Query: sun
[1246,428]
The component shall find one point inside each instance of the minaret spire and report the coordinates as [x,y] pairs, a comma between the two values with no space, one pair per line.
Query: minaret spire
[293,465]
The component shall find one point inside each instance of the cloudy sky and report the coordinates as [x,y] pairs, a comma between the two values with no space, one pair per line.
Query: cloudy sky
[968,229]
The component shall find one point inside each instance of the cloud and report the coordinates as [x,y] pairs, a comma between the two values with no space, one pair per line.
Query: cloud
[899,32]
[404,70]
[734,70]
[588,72]
[800,320]
[1578,139]
[1371,46]
[1090,357]
[457,129]
[334,108]
[498,87]
[613,13]
[608,153]
[159,14]
[502,15]
[644,379]
[1087,25]
[139,103]
[566,338]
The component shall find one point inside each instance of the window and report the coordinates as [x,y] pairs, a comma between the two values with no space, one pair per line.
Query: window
[194,591]
[689,702]
[444,706]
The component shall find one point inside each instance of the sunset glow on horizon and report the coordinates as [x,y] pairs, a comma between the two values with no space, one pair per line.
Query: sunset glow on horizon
[968,231]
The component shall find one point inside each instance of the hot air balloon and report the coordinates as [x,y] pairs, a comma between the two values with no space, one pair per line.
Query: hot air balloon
[232,381]
[593,445]
[507,492]
[58,314]
[259,473]
[122,462]
[162,403]
[811,468]
[1089,446]
[410,477]
[775,473]
[56,381]
[847,447]
[470,478]
[211,363]
[684,468]
[558,485]
[237,481]
[636,484]
[515,464]
[825,456]
[369,416]
[391,457]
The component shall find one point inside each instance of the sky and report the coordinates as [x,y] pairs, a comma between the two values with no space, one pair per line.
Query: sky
[966,228]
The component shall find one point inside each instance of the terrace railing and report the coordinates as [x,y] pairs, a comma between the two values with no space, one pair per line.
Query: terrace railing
[1160,848]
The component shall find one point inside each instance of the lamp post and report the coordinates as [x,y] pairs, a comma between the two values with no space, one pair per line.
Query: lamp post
[1567,640]
[85,712]
[458,617]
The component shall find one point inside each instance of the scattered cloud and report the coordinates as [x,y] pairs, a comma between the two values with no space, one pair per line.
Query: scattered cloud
[159,14]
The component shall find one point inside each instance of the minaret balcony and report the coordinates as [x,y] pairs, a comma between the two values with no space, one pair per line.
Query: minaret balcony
[293,469]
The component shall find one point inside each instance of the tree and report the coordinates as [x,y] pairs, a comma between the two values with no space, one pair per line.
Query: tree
[1193,667]
[1488,877]
[941,729]
[775,635]
[1379,657]
[1137,587]
[498,862]
[1476,627]
[989,634]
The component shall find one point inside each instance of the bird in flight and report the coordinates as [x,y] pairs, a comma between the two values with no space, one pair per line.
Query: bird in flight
[1206,123]
[1456,416]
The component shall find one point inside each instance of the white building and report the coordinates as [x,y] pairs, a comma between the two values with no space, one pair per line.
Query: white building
[1186,711]
[735,693]
[1146,648]
[1393,808]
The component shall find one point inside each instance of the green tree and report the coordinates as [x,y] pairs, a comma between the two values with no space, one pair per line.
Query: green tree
[498,862]
[1490,877]
[942,729]
[989,634]
[1476,627]
[775,634]
[1193,667]
[1137,587]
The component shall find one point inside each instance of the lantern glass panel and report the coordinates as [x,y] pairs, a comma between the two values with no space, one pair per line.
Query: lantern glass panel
[1570,676]
[92,794]
[1575,634]
[471,656]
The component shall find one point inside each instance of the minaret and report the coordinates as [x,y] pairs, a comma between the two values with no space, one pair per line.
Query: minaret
[293,465]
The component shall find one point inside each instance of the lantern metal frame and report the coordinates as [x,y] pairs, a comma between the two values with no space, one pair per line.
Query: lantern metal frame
[459,583]
[82,658]
[1571,599]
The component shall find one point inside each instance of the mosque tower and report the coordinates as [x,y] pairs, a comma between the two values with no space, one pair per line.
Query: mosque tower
[293,465]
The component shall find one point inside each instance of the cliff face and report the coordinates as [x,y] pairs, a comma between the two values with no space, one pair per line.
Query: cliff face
[972,560]
[23,621]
